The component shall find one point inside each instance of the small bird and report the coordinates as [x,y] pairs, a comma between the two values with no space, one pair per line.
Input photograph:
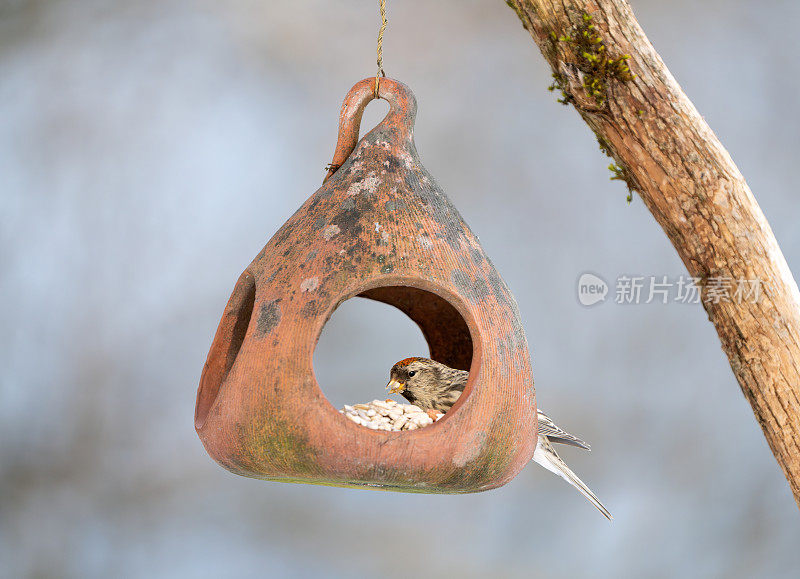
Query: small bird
[435,387]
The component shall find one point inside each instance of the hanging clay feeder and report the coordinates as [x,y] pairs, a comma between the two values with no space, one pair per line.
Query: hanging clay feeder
[379,228]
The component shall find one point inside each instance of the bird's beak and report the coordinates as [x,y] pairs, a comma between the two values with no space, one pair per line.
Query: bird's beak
[395,386]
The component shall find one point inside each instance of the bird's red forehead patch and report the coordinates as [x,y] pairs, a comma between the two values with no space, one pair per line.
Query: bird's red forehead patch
[405,362]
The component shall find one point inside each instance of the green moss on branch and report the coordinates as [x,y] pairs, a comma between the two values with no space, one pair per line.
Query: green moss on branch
[593,60]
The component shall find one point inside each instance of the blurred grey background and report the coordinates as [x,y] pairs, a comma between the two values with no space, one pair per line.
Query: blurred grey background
[149,149]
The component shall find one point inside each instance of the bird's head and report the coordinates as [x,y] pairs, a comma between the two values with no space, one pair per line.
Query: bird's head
[414,378]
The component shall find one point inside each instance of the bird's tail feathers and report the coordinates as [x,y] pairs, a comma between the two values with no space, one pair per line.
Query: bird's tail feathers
[549,459]
[571,441]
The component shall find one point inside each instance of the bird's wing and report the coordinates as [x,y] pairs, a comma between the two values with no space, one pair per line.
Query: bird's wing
[546,456]
[555,433]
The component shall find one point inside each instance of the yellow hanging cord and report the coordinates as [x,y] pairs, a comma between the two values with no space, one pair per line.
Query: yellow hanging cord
[380,72]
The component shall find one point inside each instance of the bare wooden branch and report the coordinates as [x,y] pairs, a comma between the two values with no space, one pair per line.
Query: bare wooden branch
[668,154]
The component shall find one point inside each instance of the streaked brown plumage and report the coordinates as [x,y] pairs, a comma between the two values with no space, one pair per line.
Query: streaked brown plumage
[427,384]
[435,386]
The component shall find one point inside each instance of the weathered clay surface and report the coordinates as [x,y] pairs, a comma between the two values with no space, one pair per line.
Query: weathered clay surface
[380,228]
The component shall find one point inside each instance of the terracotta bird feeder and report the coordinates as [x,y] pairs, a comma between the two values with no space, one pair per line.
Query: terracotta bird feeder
[379,228]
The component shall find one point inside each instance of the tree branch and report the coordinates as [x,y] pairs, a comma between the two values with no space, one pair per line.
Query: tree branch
[666,152]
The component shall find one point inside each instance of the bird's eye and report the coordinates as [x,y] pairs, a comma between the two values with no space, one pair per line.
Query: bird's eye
[410,374]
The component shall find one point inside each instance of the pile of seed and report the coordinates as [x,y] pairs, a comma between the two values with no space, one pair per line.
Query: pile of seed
[389,415]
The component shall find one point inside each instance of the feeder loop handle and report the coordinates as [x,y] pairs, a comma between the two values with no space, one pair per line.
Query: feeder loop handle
[400,118]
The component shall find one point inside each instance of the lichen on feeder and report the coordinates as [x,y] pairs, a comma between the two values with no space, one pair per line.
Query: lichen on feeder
[379,228]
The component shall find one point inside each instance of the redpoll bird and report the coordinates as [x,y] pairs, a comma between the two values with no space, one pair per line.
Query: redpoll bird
[434,386]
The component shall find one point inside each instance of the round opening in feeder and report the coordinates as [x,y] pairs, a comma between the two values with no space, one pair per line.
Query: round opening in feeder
[364,357]
[227,343]
[359,343]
